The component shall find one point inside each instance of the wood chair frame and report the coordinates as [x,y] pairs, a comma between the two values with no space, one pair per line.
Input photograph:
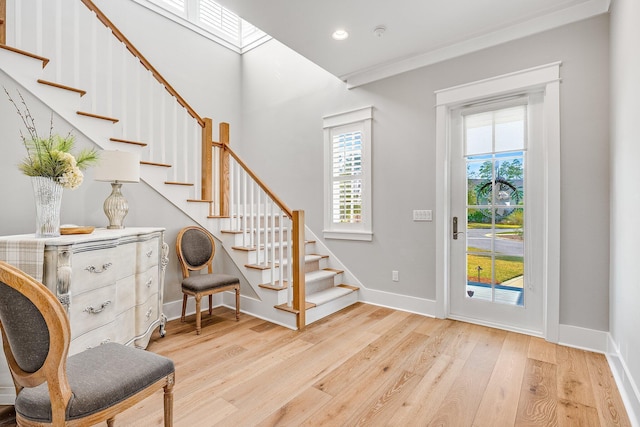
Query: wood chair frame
[186,272]
[53,370]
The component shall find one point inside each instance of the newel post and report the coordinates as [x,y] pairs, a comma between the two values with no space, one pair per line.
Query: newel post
[224,170]
[207,160]
[299,292]
[3,21]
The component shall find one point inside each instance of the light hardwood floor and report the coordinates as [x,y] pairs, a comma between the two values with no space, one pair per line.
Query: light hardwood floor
[373,366]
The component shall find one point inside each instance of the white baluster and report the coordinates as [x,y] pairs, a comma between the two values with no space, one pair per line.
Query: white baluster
[273,243]
[252,219]
[237,186]
[290,263]
[267,248]
[94,64]
[185,145]
[232,207]
[244,209]
[259,230]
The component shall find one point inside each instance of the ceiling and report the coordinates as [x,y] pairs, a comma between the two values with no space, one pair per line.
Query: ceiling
[418,32]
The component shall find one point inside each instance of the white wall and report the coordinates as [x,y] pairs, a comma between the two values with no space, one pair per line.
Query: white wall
[625,192]
[285,98]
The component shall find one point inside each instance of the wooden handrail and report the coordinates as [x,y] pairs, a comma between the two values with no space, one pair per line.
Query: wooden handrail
[3,21]
[262,185]
[135,52]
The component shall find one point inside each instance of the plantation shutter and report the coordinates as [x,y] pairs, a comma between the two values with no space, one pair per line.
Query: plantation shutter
[220,20]
[177,4]
[347,176]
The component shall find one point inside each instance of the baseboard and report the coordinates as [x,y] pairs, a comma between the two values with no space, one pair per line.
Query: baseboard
[423,306]
[583,338]
[626,384]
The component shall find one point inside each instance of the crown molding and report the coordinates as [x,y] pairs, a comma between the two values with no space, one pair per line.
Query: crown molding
[536,25]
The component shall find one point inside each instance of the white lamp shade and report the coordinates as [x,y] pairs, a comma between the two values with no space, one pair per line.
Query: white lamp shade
[121,166]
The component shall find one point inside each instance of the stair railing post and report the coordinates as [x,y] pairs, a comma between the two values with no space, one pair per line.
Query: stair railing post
[224,169]
[207,160]
[297,238]
[3,21]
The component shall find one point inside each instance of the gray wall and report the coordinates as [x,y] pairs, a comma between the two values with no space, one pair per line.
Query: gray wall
[625,177]
[285,98]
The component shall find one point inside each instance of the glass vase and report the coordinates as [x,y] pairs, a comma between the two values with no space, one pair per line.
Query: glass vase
[48,197]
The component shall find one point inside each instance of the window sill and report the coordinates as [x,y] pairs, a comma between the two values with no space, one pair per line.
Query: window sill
[365,236]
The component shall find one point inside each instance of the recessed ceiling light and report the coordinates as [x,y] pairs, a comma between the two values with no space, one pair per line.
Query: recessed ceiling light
[340,35]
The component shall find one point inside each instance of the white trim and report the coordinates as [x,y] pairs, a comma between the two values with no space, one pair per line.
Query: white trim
[347,117]
[536,25]
[544,77]
[366,236]
[583,338]
[423,306]
[204,32]
[627,387]
[362,119]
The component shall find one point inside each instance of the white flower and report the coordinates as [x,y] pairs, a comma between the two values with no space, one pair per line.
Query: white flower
[71,178]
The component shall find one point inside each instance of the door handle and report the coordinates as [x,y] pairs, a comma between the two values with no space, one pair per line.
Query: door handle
[455,228]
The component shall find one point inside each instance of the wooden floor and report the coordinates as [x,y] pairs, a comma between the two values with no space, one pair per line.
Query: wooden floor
[373,366]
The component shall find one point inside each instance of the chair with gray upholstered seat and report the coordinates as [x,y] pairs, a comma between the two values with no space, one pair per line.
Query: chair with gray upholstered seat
[83,389]
[195,248]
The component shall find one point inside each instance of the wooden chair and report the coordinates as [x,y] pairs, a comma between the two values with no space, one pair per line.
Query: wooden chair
[196,247]
[83,389]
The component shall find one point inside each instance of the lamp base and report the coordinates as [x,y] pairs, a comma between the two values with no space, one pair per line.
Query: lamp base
[116,207]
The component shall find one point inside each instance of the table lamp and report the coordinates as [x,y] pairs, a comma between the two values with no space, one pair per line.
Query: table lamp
[117,167]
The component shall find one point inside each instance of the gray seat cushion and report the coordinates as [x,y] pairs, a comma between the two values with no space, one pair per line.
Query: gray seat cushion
[207,282]
[99,378]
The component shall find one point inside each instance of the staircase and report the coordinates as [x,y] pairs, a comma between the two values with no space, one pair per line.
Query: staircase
[127,105]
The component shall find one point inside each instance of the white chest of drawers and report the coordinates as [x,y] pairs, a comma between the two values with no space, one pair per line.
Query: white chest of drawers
[110,281]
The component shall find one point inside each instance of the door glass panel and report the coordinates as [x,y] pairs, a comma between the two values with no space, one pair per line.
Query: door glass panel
[495,206]
[479,276]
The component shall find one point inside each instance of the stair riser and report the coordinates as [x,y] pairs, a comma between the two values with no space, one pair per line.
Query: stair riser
[318,285]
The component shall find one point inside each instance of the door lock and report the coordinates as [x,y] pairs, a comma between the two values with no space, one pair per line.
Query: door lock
[455,228]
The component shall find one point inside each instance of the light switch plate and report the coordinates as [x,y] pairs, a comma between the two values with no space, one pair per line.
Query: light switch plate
[422,215]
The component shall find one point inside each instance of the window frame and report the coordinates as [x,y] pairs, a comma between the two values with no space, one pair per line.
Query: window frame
[362,120]
[189,17]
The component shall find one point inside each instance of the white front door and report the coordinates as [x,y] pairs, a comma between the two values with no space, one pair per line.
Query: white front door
[495,214]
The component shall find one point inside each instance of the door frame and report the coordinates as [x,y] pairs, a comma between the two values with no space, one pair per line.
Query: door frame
[545,78]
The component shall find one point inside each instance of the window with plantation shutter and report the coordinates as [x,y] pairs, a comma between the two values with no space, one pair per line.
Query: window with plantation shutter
[348,175]
[210,20]
[220,20]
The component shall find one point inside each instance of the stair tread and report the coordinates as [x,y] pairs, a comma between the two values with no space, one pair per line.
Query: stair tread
[126,141]
[326,295]
[81,92]
[44,60]
[313,276]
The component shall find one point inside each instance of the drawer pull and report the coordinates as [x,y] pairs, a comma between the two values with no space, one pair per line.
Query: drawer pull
[92,269]
[103,342]
[149,282]
[92,310]
[149,253]
[149,313]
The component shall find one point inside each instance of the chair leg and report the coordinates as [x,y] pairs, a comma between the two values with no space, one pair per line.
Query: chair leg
[168,401]
[210,304]
[198,314]
[237,303]
[184,307]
